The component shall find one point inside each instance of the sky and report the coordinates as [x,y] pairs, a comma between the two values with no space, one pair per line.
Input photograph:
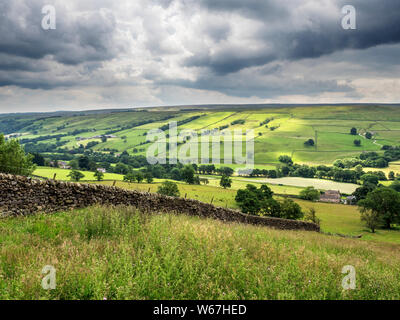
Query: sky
[124,54]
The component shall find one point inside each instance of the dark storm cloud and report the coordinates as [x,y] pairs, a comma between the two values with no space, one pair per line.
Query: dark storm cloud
[266,9]
[76,39]
[255,84]
[377,24]
[221,48]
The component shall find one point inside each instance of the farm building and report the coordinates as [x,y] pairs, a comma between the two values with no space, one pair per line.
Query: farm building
[351,200]
[332,196]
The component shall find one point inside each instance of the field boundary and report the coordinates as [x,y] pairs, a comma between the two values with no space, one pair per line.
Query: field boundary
[23,196]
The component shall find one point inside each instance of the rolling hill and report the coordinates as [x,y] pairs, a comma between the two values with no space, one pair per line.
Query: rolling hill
[287,128]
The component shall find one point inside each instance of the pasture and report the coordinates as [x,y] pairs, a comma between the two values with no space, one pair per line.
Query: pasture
[62,174]
[336,218]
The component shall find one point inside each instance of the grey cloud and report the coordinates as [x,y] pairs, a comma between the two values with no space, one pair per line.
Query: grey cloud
[76,40]
[377,24]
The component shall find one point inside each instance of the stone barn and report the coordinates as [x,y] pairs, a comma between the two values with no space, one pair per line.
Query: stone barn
[332,196]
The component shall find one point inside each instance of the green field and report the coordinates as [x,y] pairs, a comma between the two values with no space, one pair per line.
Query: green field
[62,174]
[329,126]
[347,188]
[104,253]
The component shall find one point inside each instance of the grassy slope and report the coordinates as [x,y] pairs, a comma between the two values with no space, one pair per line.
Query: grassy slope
[116,254]
[336,218]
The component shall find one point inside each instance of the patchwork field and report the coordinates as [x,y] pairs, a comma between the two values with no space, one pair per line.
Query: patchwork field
[285,133]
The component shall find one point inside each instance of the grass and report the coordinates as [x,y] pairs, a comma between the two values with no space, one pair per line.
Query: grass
[343,219]
[321,184]
[62,174]
[119,253]
[336,218]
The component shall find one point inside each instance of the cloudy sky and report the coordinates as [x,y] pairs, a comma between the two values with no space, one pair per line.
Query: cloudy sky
[125,53]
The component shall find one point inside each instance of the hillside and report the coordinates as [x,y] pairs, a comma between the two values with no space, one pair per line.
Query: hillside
[286,130]
[101,254]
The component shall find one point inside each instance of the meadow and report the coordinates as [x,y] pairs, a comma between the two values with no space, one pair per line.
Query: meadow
[347,188]
[335,218]
[62,174]
[119,253]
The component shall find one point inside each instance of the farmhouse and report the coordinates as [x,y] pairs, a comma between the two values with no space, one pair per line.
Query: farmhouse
[332,196]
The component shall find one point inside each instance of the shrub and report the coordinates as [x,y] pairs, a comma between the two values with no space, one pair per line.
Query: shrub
[312,216]
[13,158]
[225,182]
[99,175]
[309,143]
[310,193]
[291,210]
[372,219]
[169,188]
[286,159]
[76,175]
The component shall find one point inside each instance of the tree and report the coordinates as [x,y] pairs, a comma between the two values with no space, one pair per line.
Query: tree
[76,175]
[383,202]
[103,139]
[38,159]
[357,142]
[13,158]
[254,201]
[121,168]
[370,178]
[286,159]
[371,219]
[83,162]
[225,182]
[291,210]
[226,171]
[187,174]
[395,185]
[169,188]
[271,207]
[139,177]
[362,192]
[74,164]
[175,174]
[149,178]
[310,193]
[309,143]
[311,215]
[130,177]
[368,135]
[391,175]
[353,131]
[99,175]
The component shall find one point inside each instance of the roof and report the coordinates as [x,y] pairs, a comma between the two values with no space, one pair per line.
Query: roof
[330,196]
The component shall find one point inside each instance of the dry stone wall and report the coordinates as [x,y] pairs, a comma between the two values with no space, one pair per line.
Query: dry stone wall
[23,196]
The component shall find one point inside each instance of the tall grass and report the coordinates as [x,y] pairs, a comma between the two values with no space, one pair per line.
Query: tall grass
[121,253]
